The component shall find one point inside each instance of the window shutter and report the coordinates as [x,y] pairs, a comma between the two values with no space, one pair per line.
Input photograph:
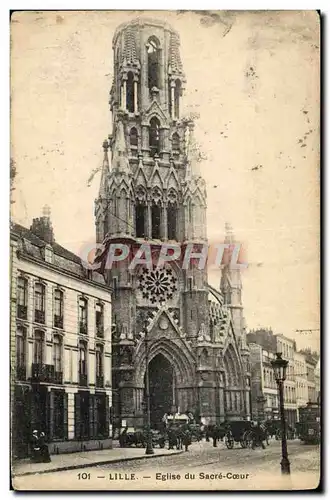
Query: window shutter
[91,415]
[65,415]
[107,416]
[77,424]
[50,414]
[96,416]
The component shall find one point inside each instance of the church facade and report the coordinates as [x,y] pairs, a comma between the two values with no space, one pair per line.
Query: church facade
[190,334]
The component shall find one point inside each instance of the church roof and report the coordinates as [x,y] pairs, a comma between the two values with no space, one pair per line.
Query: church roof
[130,45]
[175,59]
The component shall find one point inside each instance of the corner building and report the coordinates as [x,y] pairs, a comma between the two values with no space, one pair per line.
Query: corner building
[152,191]
[60,339]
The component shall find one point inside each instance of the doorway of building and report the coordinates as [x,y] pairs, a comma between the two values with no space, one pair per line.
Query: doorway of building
[161,382]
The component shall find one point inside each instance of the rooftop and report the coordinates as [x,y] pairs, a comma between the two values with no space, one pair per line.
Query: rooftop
[34,246]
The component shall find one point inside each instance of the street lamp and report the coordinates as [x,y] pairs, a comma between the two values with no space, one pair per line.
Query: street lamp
[149,448]
[279,366]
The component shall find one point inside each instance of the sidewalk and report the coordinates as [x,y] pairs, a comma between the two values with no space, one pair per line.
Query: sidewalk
[69,461]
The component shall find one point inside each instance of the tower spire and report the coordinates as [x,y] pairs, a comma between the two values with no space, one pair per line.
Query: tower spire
[229,233]
[193,168]
[120,157]
[105,170]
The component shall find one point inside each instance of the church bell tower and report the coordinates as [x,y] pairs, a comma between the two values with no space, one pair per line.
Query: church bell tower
[152,192]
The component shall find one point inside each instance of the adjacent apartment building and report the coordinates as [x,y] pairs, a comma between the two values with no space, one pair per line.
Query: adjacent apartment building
[60,345]
[302,377]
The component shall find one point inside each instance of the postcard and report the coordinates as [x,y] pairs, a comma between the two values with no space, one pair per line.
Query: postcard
[164,250]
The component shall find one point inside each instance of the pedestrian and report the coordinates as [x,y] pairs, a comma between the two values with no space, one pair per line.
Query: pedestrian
[186,439]
[44,451]
[35,446]
[171,438]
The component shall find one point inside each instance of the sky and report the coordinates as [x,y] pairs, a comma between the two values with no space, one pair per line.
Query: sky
[253,80]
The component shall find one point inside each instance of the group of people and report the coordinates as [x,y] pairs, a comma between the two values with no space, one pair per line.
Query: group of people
[39,447]
[179,437]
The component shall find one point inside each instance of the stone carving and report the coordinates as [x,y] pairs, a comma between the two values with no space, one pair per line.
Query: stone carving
[203,335]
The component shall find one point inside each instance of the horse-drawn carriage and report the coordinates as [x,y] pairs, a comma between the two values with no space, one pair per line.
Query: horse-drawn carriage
[138,438]
[248,434]
[239,431]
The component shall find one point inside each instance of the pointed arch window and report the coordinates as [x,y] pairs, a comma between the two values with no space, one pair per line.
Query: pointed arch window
[133,141]
[140,219]
[154,136]
[156,221]
[176,143]
[130,92]
[153,54]
[172,211]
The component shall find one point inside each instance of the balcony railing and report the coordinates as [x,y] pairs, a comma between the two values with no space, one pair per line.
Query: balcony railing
[83,379]
[82,327]
[21,311]
[58,321]
[99,381]
[46,373]
[39,316]
[21,372]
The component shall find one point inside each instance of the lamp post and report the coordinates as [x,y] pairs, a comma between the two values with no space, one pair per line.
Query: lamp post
[279,366]
[149,448]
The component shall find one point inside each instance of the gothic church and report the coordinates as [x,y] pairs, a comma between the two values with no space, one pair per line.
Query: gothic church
[152,191]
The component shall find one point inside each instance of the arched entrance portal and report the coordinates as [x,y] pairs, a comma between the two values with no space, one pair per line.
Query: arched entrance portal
[161,383]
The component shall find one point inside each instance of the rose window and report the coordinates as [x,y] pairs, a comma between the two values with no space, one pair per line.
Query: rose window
[157,285]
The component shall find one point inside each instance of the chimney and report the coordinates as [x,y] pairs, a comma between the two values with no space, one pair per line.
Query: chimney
[42,226]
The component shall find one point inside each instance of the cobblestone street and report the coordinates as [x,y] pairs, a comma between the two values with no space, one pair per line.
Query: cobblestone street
[202,467]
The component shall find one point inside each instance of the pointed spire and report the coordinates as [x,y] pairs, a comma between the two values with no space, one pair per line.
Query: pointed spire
[105,170]
[229,233]
[193,168]
[120,156]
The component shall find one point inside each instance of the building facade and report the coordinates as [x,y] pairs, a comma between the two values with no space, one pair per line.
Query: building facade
[60,345]
[300,370]
[264,393]
[152,192]
[287,347]
[302,379]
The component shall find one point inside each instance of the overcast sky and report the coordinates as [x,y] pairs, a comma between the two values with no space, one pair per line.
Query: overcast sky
[254,80]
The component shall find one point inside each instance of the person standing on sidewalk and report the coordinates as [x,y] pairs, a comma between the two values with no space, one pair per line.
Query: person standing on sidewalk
[186,439]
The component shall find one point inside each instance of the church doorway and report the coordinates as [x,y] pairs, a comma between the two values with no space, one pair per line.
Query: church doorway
[161,383]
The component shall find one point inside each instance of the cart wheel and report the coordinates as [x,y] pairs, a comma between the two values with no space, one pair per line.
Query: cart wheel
[229,441]
[243,441]
[248,439]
